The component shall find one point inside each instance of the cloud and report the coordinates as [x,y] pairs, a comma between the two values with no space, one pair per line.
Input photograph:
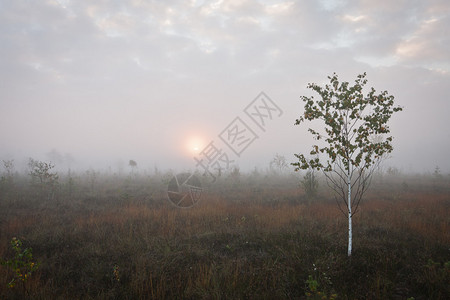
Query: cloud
[426,44]
[128,75]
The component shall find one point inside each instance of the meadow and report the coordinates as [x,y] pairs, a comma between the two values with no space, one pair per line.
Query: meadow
[97,235]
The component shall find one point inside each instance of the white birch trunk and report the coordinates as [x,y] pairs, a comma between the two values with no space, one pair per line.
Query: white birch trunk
[349,183]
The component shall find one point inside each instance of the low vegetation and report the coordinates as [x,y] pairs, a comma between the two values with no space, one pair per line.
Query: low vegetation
[251,236]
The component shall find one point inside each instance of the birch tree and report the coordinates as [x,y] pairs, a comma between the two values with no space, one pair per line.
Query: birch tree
[346,150]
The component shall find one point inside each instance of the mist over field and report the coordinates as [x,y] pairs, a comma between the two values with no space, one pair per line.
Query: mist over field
[98,84]
[161,149]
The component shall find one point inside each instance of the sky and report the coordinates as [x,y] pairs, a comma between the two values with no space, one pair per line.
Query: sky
[94,84]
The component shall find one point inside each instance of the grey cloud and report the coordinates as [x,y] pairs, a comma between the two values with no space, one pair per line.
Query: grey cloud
[110,79]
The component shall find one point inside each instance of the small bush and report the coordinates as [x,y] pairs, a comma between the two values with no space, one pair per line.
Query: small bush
[22,265]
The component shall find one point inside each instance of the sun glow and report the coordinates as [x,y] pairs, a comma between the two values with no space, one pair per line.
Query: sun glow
[195,145]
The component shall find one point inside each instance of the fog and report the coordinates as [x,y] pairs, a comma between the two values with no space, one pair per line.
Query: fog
[93,85]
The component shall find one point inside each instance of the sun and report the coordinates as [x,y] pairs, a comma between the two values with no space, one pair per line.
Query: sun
[194,145]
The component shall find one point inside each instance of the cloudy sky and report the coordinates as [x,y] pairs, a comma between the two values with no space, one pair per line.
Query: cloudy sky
[103,82]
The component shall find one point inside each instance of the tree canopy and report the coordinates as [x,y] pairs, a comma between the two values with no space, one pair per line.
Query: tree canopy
[354,140]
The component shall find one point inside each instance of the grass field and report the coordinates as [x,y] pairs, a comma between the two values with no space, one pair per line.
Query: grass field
[253,236]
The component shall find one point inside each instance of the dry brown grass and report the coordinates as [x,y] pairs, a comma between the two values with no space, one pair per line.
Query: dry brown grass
[247,243]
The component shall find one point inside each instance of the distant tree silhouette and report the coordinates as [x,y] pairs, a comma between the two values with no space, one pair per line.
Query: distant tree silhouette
[279,163]
[133,165]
